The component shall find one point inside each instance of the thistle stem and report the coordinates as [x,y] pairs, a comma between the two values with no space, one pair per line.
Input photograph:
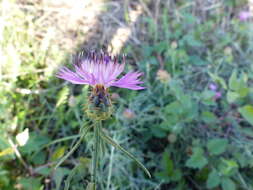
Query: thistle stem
[96,153]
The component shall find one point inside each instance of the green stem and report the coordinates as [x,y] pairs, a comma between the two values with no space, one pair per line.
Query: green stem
[110,169]
[96,153]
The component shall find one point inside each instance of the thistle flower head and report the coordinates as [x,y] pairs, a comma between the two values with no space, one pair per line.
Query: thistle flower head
[213,86]
[245,15]
[100,70]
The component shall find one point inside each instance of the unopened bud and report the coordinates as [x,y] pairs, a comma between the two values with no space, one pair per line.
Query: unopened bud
[228,51]
[172,138]
[173,45]
[128,114]
[163,76]
[72,101]
[115,96]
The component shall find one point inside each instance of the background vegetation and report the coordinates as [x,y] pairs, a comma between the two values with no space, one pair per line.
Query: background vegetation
[191,127]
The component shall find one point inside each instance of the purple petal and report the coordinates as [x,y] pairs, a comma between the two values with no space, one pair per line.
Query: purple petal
[70,76]
[130,81]
[102,70]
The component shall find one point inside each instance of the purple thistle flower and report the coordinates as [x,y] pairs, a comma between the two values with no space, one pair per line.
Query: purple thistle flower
[244,15]
[213,87]
[102,70]
[218,95]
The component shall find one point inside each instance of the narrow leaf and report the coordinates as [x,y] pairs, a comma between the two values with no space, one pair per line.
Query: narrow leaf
[117,146]
[84,133]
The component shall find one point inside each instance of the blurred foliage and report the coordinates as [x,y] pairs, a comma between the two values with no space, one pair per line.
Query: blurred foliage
[189,135]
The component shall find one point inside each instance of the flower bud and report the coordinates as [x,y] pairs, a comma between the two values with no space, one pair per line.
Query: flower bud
[172,138]
[71,101]
[128,114]
[228,51]
[163,76]
[174,45]
[115,96]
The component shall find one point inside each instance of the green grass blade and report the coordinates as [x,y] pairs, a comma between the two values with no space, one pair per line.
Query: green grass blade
[62,139]
[117,146]
[84,133]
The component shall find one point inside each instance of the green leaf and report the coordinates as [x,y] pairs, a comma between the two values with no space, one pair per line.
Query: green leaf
[58,153]
[242,159]
[186,101]
[213,179]
[247,113]
[232,96]
[173,108]
[167,163]
[243,91]
[117,146]
[207,97]
[208,117]
[177,175]
[233,81]
[229,167]
[228,184]
[197,160]
[196,60]
[31,183]
[247,131]
[39,158]
[158,132]
[176,88]
[59,175]
[35,141]
[217,146]
[177,128]
[162,176]
[230,163]
[45,171]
